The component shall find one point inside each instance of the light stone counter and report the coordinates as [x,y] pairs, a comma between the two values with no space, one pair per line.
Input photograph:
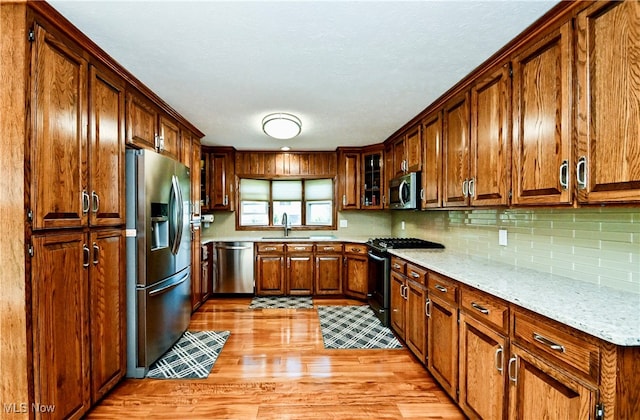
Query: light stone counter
[609,314]
[292,238]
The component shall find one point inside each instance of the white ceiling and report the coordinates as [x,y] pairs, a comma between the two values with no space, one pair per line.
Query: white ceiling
[353,71]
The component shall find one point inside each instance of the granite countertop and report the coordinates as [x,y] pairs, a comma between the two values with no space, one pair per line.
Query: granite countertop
[609,314]
[292,238]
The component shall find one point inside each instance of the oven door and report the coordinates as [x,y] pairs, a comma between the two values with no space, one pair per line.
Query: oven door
[379,284]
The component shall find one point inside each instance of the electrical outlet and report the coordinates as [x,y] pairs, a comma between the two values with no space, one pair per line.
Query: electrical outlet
[502,237]
[343,223]
[402,225]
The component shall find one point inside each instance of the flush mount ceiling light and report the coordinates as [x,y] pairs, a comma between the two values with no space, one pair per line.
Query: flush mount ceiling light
[282,126]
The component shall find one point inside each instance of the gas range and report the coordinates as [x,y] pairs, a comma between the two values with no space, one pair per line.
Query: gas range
[381,245]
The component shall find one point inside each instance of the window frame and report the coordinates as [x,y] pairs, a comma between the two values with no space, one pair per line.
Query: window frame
[303,227]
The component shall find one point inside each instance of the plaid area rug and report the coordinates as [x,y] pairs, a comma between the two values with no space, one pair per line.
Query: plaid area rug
[354,327]
[192,356]
[281,302]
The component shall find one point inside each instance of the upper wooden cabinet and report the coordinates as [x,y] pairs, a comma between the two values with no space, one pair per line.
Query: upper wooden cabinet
[196,182]
[221,179]
[490,145]
[608,103]
[432,161]
[275,164]
[373,194]
[407,152]
[542,120]
[349,179]
[456,151]
[148,127]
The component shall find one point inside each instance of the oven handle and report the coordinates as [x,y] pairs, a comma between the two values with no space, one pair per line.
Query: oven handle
[375,257]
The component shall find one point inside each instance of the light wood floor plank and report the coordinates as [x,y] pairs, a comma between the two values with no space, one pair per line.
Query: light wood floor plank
[274,366]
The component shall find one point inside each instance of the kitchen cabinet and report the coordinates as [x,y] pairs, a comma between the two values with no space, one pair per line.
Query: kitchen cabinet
[356,262]
[608,104]
[269,165]
[456,151]
[490,142]
[270,269]
[483,356]
[197,292]
[373,178]
[196,182]
[442,313]
[416,299]
[221,179]
[349,178]
[542,120]
[300,268]
[169,137]
[107,310]
[407,152]
[432,169]
[328,269]
[398,303]
[61,350]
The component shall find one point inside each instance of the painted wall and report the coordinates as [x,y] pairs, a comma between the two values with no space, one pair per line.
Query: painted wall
[597,245]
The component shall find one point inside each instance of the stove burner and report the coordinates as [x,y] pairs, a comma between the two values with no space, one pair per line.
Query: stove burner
[382,244]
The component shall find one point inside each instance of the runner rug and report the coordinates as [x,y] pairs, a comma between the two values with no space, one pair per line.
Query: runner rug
[354,327]
[191,357]
[281,302]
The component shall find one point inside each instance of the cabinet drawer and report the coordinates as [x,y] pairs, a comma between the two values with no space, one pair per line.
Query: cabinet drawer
[265,248]
[293,248]
[417,274]
[323,248]
[442,287]
[485,309]
[398,265]
[553,339]
[355,248]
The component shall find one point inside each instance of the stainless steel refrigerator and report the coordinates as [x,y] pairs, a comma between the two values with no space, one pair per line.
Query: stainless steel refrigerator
[158,257]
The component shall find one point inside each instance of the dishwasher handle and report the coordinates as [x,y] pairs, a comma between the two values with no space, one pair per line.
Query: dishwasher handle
[232,247]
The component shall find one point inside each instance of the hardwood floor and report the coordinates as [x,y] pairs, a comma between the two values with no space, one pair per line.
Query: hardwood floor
[274,366]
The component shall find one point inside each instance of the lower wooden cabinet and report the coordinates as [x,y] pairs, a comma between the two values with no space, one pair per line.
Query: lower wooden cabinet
[483,358]
[539,390]
[270,269]
[78,297]
[398,304]
[415,327]
[328,269]
[443,343]
[197,295]
[300,265]
[356,269]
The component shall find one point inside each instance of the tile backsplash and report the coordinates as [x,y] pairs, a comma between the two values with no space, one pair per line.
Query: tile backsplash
[596,245]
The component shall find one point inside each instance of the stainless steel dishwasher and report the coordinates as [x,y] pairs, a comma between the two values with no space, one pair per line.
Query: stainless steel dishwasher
[235,268]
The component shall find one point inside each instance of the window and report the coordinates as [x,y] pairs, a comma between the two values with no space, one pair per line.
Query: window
[307,203]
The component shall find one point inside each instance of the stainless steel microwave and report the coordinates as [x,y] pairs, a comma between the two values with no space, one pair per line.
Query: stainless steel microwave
[404,192]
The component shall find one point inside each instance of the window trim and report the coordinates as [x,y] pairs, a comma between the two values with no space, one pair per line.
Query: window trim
[333,226]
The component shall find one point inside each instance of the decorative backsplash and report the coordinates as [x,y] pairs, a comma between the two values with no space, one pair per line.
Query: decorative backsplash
[596,245]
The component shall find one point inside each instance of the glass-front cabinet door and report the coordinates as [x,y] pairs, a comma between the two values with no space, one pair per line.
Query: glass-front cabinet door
[373,192]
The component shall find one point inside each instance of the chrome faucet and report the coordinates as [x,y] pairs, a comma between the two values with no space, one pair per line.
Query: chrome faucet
[285,223]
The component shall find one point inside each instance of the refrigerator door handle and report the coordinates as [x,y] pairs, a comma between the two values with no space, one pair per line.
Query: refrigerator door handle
[176,214]
[164,289]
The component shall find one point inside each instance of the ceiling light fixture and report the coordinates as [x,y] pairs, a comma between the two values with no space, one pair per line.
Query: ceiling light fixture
[281,125]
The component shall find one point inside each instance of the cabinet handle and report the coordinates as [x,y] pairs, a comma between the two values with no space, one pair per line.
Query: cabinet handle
[421,193]
[384,199]
[465,187]
[96,201]
[441,288]
[500,352]
[86,202]
[549,343]
[396,265]
[479,308]
[328,248]
[513,378]
[415,275]
[581,172]
[427,308]
[564,174]
[86,254]
[207,200]
[344,199]
[269,248]
[226,200]
[96,253]
[472,187]
[299,248]
[405,292]
[358,250]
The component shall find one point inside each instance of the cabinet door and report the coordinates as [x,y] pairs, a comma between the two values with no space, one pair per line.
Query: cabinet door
[542,121]
[540,391]
[415,321]
[432,168]
[205,180]
[186,154]
[107,310]
[221,178]
[456,152]
[443,344]
[300,274]
[389,172]
[356,276]
[58,151]
[350,185]
[398,305]
[196,181]
[413,149]
[270,275]
[170,138]
[372,180]
[482,370]
[197,293]
[399,157]
[328,274]
[61,369]
[490,141]
[106,149]
[608,102]
[142,122]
